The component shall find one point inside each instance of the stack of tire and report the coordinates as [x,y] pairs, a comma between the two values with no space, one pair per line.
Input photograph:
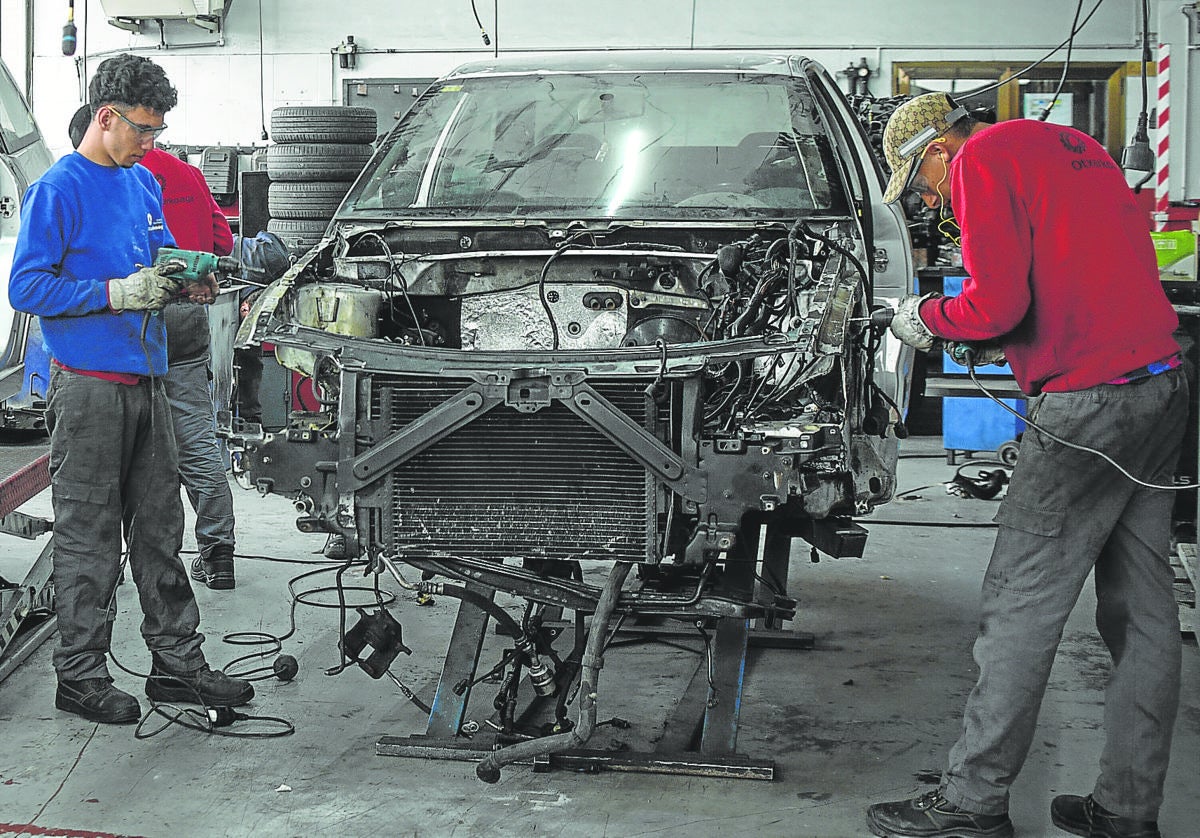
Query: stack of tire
[317,154]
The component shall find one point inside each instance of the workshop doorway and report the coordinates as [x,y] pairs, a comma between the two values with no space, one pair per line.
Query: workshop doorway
[1100,98]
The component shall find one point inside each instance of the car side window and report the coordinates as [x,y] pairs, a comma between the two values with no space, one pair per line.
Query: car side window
[17,128]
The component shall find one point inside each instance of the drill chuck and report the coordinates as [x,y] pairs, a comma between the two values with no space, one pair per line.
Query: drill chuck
[881,318]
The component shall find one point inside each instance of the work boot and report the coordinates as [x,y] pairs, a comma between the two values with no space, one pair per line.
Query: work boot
[203,686]
[335,546]
[1084,816]
[97,700]
[932,816]
[215,571]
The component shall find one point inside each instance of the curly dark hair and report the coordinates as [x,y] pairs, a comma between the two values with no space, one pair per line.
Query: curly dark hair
[132,81]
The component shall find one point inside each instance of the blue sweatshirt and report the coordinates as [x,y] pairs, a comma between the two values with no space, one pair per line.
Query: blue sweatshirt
[83,224]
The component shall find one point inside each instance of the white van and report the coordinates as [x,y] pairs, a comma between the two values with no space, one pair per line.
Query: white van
[23,159]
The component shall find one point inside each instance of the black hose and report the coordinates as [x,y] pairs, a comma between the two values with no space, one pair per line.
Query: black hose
[478,600]
[489,769]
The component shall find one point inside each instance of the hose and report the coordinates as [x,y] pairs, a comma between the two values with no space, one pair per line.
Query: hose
[489,769]
[512,627]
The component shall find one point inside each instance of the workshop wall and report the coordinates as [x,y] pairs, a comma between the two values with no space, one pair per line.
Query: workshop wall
[282,52]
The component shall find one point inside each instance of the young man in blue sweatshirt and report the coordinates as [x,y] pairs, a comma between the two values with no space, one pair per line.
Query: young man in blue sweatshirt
[89,228]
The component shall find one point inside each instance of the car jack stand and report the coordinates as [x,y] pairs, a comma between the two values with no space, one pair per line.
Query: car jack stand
[701,734]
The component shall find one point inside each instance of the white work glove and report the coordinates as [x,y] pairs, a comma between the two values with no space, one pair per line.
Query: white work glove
[147,289]
[986,353]
[908,326]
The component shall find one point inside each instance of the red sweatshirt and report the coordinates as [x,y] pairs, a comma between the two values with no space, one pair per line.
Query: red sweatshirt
[1062,269]
[197,223]
[192,215]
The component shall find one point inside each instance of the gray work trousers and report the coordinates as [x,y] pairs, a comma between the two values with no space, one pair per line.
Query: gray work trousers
[201,468]
[1066,513]
[113,468]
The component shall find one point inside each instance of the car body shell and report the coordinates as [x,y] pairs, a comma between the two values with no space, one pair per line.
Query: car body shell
[518,374]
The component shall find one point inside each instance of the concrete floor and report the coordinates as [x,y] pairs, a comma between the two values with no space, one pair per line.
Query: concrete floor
[866,715]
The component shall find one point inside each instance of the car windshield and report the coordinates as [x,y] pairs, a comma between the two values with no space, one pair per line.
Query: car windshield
[662,145]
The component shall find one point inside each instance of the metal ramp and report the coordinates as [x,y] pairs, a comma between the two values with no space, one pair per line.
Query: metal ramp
[23,603]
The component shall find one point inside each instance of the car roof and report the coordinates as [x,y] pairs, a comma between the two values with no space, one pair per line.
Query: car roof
[764,63]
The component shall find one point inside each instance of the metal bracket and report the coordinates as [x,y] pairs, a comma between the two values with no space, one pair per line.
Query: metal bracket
[1192,13]
[636,441]
[469,404]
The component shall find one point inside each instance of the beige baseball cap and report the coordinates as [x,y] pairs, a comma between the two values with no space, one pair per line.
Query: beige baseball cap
[913,126]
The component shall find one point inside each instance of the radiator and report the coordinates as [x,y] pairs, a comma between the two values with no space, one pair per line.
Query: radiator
[542,485]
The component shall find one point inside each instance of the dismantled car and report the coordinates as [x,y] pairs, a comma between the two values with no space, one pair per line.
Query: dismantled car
[597,308]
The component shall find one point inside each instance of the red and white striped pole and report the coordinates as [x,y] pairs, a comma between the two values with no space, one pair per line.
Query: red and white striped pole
[1162,195]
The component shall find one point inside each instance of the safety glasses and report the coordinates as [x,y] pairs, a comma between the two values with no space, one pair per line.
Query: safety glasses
[152,131]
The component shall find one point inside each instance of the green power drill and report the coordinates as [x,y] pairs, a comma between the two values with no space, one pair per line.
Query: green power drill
[198,264]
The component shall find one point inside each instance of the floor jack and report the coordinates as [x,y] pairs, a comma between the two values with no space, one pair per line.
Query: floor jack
[20,604]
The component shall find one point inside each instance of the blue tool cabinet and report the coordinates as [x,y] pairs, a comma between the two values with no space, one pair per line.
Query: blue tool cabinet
[975,423]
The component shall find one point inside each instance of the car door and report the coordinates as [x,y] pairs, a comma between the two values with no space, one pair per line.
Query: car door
[23,158]
[884,230]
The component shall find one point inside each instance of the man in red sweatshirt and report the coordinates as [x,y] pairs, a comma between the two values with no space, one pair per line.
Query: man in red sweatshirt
[197,223]
[1063,283]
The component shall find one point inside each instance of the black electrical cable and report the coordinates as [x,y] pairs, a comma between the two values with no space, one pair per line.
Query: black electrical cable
[1141,133]
[276,559]
[394,274]
[480,601]
[546,303]
[345,661]
[505,659]
[275,642]
[830,243]
[203,724]
[1066,64]
[262,91]
[1041,60]
[773,586]
[562,248]
[708,661]
[487,42]
[915,488]
[212,720]
[1146,57]
[1074,445]
[710,414]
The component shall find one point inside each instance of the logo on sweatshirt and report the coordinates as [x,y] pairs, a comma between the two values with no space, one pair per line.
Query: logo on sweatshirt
[153,225]
[1071,143]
